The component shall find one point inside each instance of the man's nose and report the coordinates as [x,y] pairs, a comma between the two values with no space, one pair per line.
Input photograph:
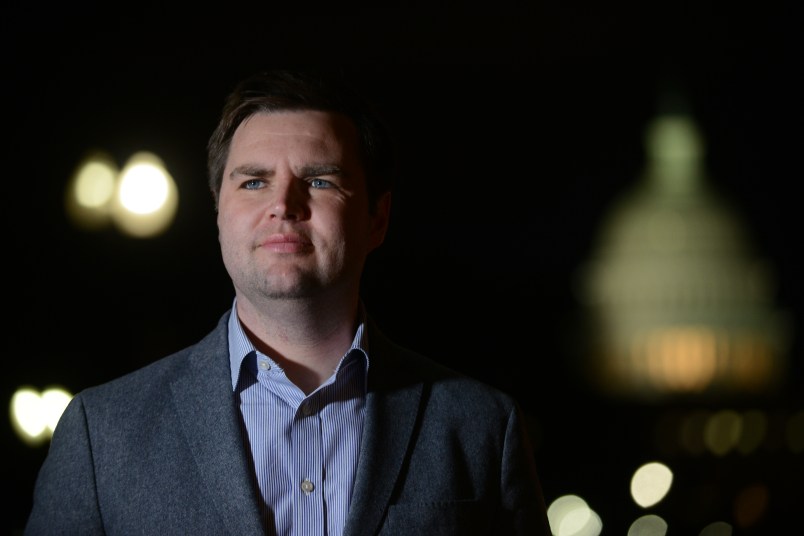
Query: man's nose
[289,201]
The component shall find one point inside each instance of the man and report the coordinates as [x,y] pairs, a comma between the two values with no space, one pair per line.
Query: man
[295,415]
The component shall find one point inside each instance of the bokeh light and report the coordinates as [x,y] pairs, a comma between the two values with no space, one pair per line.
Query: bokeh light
[570,515]
[90,191]
[650,483]
[147,197]
[718,528]
[141,199]
[34,414]
[648,525]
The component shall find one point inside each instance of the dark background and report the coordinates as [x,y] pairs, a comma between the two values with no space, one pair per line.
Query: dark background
[518,126]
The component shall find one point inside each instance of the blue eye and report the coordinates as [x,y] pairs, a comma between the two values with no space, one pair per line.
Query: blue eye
[320,183]
[253,184]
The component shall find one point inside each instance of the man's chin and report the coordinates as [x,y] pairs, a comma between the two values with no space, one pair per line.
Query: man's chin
[299,290]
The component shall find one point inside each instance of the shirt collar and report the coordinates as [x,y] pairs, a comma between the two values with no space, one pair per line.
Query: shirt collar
[240,346]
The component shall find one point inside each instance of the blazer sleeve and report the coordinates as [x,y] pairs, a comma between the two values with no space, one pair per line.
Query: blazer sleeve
[521,492]
[65,494]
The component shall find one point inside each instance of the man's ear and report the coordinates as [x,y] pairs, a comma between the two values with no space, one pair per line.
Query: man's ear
[380,217]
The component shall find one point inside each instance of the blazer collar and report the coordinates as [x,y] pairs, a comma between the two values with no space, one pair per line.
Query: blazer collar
[209,420]
[393,405]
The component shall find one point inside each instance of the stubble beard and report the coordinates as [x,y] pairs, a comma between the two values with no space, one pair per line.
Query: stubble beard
[295,286]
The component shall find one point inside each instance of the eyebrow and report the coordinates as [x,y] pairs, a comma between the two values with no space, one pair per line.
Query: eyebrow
[250,171]
[311,170]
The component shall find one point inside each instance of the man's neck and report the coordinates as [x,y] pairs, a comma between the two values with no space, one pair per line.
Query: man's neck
[306,339]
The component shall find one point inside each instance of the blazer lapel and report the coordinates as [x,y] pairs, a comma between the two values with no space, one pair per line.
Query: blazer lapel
[209,420]
[392,409]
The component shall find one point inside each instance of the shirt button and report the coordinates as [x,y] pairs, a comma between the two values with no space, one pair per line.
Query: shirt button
[264,365]
[307,487]
[307,409]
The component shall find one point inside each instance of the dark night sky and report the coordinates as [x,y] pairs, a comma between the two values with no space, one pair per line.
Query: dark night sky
[517,128]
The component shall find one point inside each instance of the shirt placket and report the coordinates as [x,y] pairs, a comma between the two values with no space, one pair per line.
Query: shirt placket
[308,472]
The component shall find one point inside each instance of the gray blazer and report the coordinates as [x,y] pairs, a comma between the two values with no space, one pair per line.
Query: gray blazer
[159,451]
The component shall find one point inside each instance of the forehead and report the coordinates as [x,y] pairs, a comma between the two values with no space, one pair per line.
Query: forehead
[284,129]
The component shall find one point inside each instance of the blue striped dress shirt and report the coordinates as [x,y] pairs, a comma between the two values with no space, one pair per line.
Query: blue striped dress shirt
[305,448]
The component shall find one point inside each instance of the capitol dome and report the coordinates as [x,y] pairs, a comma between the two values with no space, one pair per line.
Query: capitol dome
[677,301]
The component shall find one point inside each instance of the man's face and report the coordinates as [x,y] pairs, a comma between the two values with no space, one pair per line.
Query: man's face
[293,214]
